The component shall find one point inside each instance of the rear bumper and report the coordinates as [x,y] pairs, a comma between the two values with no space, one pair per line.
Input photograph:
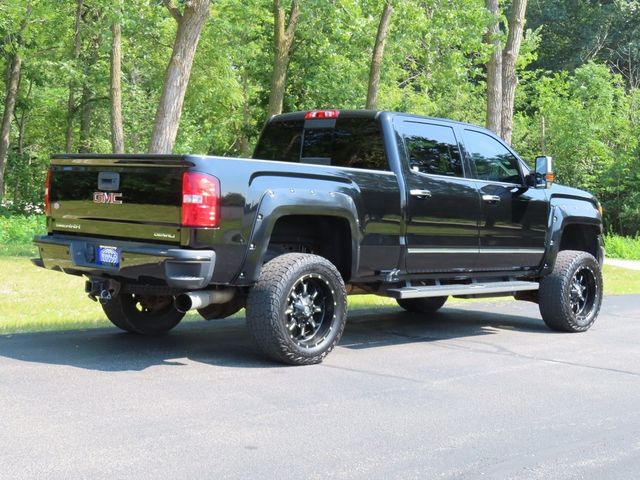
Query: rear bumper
[178,268]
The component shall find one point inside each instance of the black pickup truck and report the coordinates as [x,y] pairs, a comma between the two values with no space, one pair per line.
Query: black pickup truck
[333,203]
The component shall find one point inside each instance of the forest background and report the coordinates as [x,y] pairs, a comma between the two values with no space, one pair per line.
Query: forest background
[96,76]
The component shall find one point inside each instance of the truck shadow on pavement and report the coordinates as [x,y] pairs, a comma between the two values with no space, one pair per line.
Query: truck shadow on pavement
[226,343]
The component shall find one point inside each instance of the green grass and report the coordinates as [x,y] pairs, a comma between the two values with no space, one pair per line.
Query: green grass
[621,281]
[618,246]
[35,299]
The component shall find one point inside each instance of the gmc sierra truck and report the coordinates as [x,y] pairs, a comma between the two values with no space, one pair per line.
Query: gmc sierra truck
[333,203]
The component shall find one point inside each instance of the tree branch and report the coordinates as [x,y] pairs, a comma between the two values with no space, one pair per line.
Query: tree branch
[89,101]
[173,10]
[293,22]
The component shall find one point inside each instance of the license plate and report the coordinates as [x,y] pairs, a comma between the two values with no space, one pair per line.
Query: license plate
[108,256]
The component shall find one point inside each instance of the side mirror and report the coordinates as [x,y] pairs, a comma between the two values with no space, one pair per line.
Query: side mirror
[543,175]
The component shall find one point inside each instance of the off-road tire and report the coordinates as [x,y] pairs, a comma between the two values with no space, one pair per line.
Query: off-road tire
[217,311]
[275,306]
[143,314]
[561,292]
[422,305]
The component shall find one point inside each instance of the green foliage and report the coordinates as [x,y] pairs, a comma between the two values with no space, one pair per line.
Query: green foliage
[618,246]
[433,64]
[604,31]
[592,130]
[24,180]
[17,232]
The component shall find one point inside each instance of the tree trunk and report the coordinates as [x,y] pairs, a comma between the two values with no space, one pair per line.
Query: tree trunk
[22,119]
[117,133]
[14,67]
[178,71]
[71,103]
[494,72]
[134,134]
[378,54]
[87,99]
[282,41]
[509,59]
[86,109]
[543,147]
[243,138]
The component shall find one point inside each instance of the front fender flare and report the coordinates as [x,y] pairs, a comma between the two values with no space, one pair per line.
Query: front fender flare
[560,217]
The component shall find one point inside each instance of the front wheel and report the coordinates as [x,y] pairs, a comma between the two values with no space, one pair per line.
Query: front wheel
[297,310]
[143,314]
[570,297]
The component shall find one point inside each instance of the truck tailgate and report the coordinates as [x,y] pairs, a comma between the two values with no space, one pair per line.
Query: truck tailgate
[135,197]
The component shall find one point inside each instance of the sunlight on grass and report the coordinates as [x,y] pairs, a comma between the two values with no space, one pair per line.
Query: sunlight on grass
[35,299]
[620,281]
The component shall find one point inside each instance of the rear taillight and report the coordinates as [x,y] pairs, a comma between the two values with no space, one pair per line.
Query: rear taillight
[200,200]
[47,190]
[318,114]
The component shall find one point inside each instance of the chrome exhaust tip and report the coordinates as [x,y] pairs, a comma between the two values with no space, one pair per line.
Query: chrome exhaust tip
[200,299]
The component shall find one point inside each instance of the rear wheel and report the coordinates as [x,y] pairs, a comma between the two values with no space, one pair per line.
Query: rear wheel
[570,297]
[296,312]
[422,305]
[143,314]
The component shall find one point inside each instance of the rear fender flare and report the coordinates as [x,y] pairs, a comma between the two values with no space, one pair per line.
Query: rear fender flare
[276,204]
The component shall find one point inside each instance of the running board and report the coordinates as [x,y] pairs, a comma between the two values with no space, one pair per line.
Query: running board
[470,289]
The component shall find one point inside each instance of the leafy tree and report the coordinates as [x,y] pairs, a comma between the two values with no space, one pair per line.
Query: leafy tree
[576,31]
[577,70]
[176,78]
[283,35]
[378,54]
[592,129]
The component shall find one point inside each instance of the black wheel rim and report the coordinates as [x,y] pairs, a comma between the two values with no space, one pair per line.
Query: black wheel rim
[583,292]
[310,310]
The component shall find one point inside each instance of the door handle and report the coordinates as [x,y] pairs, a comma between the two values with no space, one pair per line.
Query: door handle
[420,193]
[491,198]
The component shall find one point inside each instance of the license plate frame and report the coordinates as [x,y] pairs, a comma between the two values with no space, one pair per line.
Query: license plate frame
[108,256]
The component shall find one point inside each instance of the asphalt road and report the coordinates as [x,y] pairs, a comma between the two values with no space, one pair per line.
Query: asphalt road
[465,394]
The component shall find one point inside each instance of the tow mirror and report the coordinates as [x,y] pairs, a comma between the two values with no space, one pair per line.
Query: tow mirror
[544,175]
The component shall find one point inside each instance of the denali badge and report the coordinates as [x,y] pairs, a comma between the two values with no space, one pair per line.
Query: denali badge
[73,226]
[104,197]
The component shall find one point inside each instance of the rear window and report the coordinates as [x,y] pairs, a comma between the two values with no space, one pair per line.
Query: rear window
[345,142]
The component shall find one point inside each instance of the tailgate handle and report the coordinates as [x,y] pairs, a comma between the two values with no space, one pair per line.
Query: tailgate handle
[109,181]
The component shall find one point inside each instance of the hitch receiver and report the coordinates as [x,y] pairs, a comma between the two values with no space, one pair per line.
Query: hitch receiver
[101,290]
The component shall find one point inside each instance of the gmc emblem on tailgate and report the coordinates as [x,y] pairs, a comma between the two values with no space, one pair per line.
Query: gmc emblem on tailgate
[104,197]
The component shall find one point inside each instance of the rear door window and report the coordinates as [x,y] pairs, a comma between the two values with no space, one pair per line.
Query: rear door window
[432,149]
[280,141]
[345,142]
